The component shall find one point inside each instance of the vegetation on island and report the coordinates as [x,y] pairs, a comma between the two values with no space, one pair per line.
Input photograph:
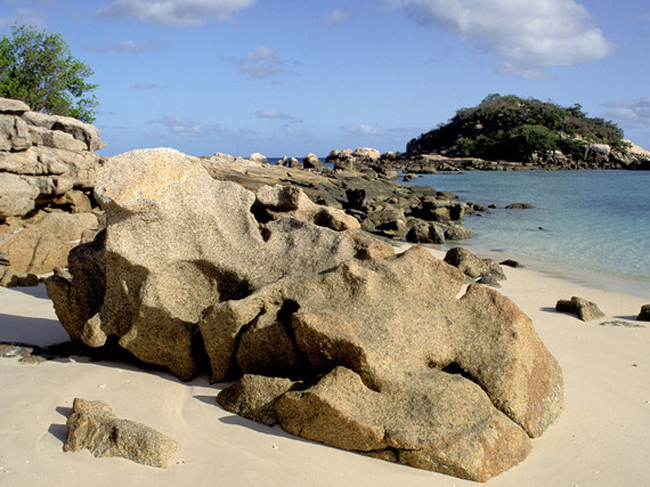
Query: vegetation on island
[516,129]
[37,68]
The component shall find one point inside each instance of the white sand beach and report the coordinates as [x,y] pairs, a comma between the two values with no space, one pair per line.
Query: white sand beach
[601,439]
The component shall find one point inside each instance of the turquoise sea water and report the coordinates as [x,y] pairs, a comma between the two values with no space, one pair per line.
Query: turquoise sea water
[591,226]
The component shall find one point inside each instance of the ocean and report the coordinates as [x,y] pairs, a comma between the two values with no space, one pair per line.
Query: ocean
[589,226]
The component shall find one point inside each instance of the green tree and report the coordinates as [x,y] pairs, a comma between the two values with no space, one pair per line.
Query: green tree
[37,68]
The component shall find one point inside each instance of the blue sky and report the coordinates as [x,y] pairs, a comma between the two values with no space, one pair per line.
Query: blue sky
[294,76]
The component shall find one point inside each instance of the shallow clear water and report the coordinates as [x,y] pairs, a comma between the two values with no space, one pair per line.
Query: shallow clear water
[589,225]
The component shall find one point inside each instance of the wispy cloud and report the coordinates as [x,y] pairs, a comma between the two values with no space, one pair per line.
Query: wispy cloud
[128,46]
[631,112]
[523,72]
[338,16]
[260,63]
[270,113]
[188,128]
[173,13]
[27,14]
[522,34]
[362,129]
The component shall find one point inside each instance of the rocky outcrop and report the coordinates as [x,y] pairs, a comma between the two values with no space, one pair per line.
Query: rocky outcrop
[47,164]
[330,333]
[585,310]
[94,426]
[382,206]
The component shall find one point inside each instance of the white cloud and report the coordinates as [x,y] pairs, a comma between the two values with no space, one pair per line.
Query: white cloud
[631,112]
[363,129]
[174,13]
[128,46]
[522,33]
[338,16]
[270,113]
[260,63]
[188,128]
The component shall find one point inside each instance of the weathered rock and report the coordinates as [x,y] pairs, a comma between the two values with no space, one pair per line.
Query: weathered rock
[46,161]
[276,202]
[426,232]
[311,161]
[644,314]
[93,425]
[221,158]
[254,396]
[75,201]
[440,210]
[45,244]
[458,232]
[443,409]
[190,269]
[402,349]
[178,242]
[80,131]
[293,163]
[258,158]
[585,310]
[473,266]
[15,107]
[17,196]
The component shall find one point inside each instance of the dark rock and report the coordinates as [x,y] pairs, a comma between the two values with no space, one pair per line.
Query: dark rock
[512,263]
[519,206]
[644,314]
[356,198]
[585,310]
[410,177]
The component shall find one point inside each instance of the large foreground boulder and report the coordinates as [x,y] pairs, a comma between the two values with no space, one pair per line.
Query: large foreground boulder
[333,335]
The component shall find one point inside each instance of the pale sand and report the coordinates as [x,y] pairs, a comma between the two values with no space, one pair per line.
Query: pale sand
[600,440]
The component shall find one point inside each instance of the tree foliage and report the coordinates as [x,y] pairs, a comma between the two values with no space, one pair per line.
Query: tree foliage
[513,128]
[37,68]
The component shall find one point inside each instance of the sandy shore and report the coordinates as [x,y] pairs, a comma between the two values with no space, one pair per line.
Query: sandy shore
[600,440]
